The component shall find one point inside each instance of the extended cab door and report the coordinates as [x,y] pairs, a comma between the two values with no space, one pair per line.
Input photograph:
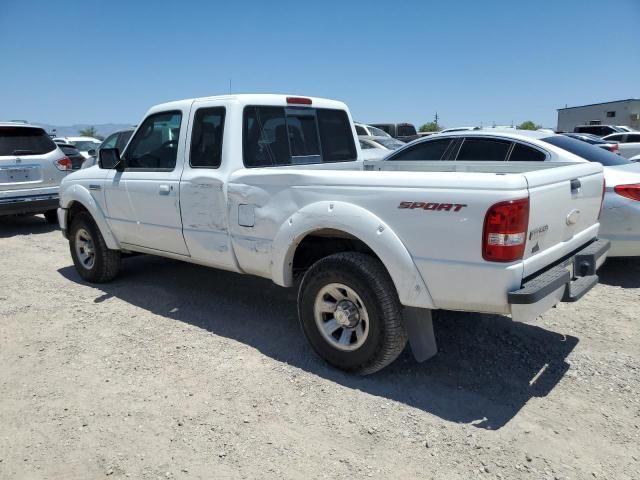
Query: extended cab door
[203,187]
[143,201]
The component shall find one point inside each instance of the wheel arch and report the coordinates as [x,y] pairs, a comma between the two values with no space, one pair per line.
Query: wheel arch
[79,199]
[359,230]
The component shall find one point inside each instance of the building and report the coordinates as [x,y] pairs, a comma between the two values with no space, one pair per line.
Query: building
[619,112]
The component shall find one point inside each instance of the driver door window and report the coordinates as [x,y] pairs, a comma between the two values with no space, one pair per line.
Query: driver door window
[155,144]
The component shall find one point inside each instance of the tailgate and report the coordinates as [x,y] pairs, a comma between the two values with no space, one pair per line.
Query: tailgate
[563,212]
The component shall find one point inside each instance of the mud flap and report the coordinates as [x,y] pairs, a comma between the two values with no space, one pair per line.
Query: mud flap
[422,339]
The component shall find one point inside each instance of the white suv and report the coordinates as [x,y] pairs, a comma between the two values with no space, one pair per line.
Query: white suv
[31,169]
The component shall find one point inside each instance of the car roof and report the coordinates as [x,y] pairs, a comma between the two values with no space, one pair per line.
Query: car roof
[375,138]
[19,124]
[494,132]
[80,139]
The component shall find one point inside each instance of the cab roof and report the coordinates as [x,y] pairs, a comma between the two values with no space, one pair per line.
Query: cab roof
[254,99]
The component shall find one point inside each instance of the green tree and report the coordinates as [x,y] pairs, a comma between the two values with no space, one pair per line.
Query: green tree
[430,127]
[89,132]
[529,125]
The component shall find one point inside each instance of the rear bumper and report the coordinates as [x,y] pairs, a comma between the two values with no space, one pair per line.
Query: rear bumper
[567,281]
[29,204]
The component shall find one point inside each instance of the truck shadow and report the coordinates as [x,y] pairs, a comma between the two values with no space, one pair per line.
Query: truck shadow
[487,369]
[11,226]
[621,272]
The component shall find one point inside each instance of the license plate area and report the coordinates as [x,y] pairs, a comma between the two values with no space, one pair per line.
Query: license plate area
[19,174]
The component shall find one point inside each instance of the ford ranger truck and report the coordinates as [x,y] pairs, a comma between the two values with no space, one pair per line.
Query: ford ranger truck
[274,186]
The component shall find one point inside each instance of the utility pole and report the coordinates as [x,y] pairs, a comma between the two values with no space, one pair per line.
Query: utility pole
[229,86]
[436,119]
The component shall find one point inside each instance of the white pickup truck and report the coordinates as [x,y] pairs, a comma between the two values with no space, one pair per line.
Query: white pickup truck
[272,185]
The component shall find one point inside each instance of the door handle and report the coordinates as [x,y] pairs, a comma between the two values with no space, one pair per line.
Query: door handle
[165,189]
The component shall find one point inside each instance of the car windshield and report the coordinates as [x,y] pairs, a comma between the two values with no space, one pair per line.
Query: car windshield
[390,143]
[586,151]
[376,132]
[85,145]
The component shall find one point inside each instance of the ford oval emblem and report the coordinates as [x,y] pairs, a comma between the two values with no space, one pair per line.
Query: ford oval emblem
[572,218]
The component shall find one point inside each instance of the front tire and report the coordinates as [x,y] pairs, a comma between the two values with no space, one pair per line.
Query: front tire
[93,260]
[350,312]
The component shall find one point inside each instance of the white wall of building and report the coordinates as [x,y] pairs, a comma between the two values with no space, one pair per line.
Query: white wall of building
[627,112]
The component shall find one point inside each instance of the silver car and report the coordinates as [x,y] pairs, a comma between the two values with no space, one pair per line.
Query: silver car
[620,219]
[31,169]
[384,143]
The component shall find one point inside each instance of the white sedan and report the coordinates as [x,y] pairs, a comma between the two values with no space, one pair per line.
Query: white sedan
[620,220]
[628,143]
[83,144]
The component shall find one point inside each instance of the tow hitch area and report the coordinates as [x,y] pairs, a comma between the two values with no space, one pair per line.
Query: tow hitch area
[568,281]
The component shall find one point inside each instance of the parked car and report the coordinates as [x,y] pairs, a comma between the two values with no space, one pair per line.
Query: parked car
[31,169]
[77,159]
[620,221]
[83,144]
[385,143]
[629,143]
[624,128]
[458,129]
[117,140]
[595,141]
[271,185]
[404,132]
[599,130]
[369,131]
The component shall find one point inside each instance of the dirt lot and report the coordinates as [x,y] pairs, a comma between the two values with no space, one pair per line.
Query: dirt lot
[177,371]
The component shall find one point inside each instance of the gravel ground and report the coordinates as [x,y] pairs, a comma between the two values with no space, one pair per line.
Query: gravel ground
[177,371]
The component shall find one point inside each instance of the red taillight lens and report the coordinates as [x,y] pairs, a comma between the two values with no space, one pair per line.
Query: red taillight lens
[505,231]
[298,101]
[628,191]
[64,163]
[615,147]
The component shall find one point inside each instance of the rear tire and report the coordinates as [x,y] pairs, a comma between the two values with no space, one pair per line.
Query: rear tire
[350,312]
[51,216]
[93,260]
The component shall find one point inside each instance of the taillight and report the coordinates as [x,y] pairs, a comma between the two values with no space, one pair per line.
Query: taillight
[298,101]
[628,191]
[604,189]
[615,147]
[64,163]
[505,231]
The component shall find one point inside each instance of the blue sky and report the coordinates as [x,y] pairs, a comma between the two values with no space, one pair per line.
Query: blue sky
[65,62]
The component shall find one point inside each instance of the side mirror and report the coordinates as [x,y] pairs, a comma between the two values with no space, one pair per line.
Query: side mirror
[109,158]
[92,152]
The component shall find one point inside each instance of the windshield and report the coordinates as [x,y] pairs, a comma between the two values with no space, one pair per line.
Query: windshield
[377,132]
[85,145]
[586,151]
[390,143]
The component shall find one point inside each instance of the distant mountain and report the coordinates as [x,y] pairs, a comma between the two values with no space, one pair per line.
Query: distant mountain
[103,129]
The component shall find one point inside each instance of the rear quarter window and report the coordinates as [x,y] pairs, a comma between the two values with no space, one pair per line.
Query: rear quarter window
[24,141]
[524,153]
